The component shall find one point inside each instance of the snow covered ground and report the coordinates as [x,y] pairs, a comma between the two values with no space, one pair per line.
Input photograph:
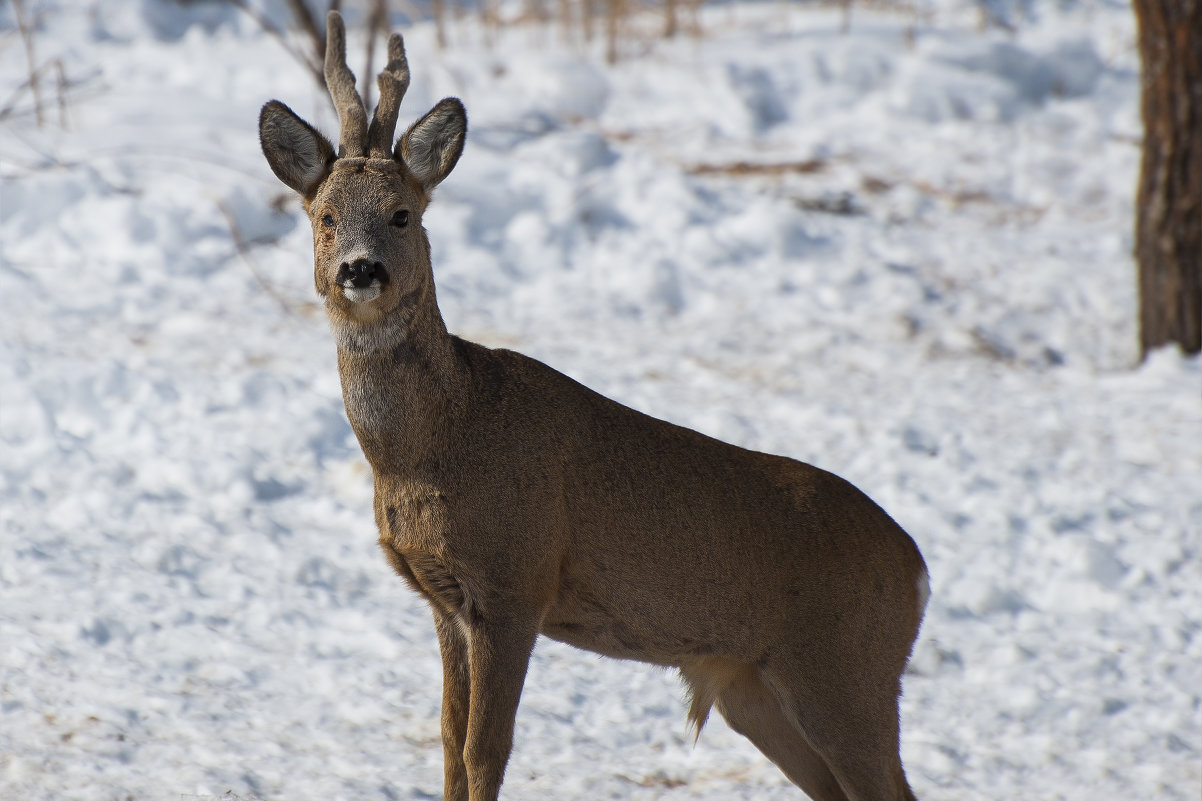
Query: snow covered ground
[901,253]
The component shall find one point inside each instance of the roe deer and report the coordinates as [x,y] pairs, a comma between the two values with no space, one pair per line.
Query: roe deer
[518,502]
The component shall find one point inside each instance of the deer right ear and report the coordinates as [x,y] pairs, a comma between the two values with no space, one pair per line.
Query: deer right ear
[297,153]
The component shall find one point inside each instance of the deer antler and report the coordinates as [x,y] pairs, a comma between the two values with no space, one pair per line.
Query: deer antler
[393,82]
[352,117]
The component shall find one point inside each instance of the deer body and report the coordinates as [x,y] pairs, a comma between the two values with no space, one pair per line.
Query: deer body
[519,502]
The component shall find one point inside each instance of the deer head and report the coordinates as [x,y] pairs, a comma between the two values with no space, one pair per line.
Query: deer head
[371,257]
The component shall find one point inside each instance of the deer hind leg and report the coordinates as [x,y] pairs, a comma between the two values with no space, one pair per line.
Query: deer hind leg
[852,723]
[753,709]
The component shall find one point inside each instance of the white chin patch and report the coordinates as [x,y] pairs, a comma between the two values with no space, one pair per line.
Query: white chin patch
[362,294]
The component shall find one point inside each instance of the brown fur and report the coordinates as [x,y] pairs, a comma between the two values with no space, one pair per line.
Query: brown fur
[519,502]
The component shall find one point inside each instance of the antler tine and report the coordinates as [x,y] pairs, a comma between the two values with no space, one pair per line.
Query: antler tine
[393,83]
[352,117]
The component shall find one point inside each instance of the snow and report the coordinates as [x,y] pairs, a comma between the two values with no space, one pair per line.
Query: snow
[920,278]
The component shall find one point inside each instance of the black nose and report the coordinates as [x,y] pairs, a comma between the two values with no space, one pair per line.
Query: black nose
[361,273]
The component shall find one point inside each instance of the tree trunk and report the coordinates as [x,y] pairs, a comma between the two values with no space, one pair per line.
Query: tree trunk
[1168,233]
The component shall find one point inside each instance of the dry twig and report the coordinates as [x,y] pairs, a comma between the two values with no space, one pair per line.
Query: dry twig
[243,248]
[312,62]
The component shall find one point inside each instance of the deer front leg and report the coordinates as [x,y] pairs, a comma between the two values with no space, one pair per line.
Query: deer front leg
[499,651]
[456,689]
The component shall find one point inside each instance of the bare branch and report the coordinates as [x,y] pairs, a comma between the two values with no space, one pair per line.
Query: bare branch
[438,9]
[244,251]
[311,64]
[304,17]
[27,38]
[60,88]
[377,26]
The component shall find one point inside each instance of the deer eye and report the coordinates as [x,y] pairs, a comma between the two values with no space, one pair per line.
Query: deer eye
[327,220]
[400,219]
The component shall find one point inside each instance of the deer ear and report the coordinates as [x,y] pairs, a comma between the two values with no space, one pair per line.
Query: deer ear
[298,154]
[433,144]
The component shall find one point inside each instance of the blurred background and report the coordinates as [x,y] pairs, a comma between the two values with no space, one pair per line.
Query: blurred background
[897,240]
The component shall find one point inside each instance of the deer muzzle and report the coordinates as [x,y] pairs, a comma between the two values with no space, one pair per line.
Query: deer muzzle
[362,280]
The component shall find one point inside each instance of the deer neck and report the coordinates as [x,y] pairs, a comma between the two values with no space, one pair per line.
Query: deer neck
[403,385]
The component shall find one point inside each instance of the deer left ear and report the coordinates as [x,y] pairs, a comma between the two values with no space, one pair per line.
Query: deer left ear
[433,144]
[297,153]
